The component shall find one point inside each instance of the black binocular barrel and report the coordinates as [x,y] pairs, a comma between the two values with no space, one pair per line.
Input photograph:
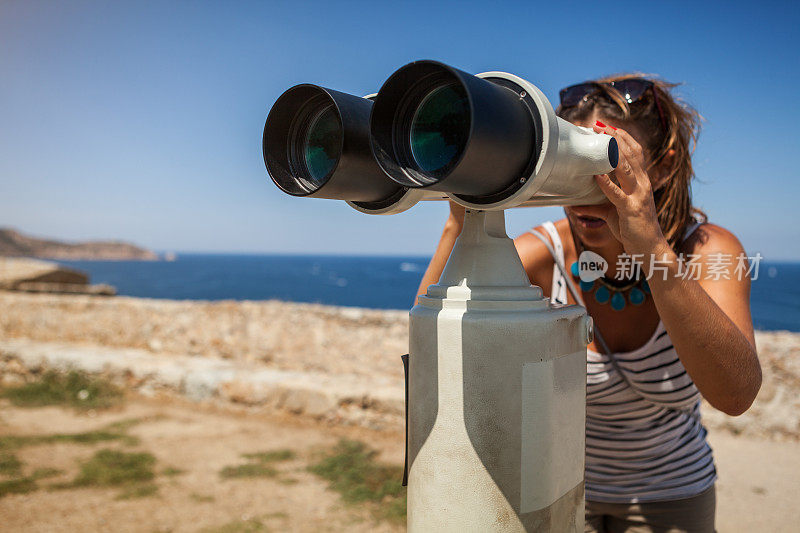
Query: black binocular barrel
[437,127]
[317,143]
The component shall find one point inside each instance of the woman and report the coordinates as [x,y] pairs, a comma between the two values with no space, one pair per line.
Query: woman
[661,342]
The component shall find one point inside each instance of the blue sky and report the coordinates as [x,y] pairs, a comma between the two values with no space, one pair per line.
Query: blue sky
[143,120]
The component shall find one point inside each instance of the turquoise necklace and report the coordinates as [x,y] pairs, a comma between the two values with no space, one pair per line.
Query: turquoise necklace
[609,291]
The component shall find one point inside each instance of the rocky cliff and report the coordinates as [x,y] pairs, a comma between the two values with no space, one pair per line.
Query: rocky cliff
[15,244]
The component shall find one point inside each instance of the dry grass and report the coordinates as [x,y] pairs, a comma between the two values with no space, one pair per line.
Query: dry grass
[258,464]
[352,471]
[74,389]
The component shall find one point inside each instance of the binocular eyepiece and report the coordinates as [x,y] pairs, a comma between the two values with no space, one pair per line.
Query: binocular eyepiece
[490,141]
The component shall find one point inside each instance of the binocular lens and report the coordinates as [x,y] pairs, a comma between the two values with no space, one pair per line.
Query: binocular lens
[436,127]
[322,144]
[440,128]
[316,143]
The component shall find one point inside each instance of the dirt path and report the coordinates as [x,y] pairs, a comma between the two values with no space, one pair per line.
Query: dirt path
[758,484]
[758,479]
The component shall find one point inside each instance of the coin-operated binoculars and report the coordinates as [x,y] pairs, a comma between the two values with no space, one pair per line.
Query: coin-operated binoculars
[496,375]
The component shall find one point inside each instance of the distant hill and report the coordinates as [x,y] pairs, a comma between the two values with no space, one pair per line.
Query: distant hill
[15,244]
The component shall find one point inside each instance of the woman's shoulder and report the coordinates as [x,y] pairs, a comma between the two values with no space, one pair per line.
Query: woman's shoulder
[711,239]
[535,256]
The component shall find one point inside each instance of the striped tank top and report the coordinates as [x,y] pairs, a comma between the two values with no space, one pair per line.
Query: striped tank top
[644,437]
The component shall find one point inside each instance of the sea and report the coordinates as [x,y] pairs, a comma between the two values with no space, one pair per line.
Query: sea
[356,281]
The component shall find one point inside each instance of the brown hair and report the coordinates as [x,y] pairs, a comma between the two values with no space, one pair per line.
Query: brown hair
[679,132]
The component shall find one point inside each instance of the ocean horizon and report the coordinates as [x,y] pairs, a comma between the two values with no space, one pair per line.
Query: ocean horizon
[375,282]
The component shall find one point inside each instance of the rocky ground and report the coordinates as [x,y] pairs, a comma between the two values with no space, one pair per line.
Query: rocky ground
[339,363]
[214,381]
[286,336]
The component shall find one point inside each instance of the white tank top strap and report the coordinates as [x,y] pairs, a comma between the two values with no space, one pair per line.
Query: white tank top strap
[692,227]
[551,230]
[558,292]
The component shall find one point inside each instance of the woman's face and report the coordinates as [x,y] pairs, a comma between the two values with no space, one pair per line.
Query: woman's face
[588,221]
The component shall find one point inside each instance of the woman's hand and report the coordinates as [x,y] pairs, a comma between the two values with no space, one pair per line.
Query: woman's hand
[633,221]
[708,320]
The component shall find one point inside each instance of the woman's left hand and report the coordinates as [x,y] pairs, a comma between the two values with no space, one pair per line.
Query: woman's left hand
[633,221]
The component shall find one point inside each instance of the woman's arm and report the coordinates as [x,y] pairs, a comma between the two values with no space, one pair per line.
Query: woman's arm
[708,320]
[452,228]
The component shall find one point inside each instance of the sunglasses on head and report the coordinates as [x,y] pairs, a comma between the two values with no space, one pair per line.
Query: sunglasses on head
[631,90]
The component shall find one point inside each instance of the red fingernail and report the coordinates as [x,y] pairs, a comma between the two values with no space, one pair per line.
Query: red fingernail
[600,124]
[613,128]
